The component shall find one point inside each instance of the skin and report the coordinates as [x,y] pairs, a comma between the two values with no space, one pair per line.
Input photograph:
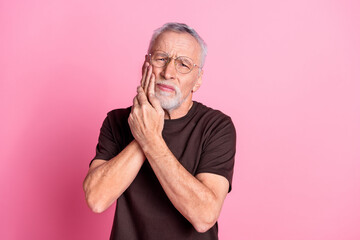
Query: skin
[198,198]
[178,44]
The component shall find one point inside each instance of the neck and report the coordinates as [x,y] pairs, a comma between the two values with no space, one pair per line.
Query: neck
[179,112]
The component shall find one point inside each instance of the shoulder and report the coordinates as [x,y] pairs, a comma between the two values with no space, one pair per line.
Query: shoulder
[214,124]
[119,113]
[117,117]
[212,117]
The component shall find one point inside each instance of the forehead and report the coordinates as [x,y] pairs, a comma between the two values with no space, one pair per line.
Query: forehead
[178,44]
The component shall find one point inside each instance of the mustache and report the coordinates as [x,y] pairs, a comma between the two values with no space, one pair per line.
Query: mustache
[168,83]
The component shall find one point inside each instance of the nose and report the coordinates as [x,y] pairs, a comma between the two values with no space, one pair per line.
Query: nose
[169,71]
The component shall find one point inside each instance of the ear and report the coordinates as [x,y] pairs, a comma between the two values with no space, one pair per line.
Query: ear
[198,82]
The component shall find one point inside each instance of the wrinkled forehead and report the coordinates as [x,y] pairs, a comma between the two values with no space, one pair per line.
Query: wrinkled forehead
[178,44]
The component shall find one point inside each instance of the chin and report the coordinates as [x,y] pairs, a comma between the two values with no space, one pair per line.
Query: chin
[169,103]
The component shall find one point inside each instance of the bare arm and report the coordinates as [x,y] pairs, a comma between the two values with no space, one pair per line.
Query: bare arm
[199,199]
[107,180]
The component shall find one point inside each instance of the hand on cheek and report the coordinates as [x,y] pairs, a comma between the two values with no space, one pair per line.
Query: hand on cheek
[146,119]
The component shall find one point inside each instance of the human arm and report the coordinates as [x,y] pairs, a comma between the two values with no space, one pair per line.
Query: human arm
[198,198]
[107,180]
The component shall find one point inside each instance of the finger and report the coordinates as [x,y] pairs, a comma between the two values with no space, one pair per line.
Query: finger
[141,97]
[151,87]
[147,80]
[144,64]
[144,73]
[154,101]
[135,102]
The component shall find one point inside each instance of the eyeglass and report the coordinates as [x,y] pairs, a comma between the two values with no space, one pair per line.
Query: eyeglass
[182,64]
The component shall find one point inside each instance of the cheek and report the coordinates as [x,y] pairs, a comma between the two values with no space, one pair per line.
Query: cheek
[187,85]
[157,72]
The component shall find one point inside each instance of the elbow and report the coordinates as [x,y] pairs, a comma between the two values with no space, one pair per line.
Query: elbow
[92,201]
[203,225]
[206,216]
[97,209]
[202,228]
[95,205]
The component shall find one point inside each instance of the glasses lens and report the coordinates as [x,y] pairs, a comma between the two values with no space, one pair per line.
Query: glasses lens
[159,59]
[184,64]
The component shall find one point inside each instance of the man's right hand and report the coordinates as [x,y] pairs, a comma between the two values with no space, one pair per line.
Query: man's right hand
[107,180]
[146,75]
[146,119]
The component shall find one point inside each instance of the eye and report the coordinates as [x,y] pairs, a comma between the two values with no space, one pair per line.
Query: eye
[184,63]
[160,58]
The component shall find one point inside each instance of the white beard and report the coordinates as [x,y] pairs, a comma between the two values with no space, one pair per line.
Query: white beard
[167,100]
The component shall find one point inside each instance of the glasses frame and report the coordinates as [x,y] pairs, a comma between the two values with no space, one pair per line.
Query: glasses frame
[169,60]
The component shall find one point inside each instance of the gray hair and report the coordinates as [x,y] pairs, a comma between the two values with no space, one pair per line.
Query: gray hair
[180,28]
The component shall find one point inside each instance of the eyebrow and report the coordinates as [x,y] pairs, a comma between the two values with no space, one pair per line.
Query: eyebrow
[175,56]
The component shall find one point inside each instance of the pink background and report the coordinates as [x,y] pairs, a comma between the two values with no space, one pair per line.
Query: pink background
[287,72]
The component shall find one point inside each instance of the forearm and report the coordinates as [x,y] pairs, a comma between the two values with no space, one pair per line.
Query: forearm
[106,182]
[193,199]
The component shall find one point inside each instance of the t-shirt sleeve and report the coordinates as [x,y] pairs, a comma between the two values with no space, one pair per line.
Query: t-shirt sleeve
[219,150]
[106,147]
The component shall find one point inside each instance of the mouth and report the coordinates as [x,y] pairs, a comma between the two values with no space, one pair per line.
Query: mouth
[165,88]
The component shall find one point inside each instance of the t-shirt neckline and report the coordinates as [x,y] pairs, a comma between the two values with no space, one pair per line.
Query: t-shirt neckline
[187,115]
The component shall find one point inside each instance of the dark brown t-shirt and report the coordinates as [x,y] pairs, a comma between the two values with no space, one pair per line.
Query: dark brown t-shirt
[203,141]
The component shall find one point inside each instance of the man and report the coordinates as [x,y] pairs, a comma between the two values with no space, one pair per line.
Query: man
[167,160]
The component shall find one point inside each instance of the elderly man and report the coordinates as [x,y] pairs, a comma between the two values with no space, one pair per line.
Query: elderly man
[167,160]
